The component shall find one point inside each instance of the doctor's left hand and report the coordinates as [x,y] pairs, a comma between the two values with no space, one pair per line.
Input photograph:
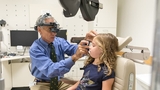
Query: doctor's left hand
[90,35]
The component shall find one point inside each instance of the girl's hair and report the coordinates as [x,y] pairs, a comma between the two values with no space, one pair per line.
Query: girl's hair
[108,43]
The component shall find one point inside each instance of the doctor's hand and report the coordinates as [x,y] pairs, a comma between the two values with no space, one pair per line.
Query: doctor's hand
[81,50]
[90,35]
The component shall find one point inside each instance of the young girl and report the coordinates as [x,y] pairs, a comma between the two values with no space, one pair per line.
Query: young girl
[99,67]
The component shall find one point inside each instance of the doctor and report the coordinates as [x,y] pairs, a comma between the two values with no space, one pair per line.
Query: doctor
[43,68]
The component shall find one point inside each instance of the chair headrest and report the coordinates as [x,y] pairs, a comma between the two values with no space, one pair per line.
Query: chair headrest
[123,42]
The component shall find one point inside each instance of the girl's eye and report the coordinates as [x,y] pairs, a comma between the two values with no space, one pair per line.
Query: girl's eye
[93,45]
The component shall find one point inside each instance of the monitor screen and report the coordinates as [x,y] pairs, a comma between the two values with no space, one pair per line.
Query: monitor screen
[22,37]
[62,34]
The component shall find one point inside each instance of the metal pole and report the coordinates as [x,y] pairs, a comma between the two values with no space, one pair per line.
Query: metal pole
[155,79]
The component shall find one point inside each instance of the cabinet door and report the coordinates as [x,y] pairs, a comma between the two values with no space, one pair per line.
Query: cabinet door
[107,17]
[106,30]
[21,75]
[75,73]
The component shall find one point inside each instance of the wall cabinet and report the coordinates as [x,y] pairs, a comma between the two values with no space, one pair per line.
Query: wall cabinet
[106,30]
[75,73]
[106,19]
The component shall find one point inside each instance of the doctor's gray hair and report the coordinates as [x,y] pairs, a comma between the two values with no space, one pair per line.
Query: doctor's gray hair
[41,18]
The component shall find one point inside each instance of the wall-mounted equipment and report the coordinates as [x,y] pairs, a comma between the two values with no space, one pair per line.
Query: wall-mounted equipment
[2,23]
[88,8]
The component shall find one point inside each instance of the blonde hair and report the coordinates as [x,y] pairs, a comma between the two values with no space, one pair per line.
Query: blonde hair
[108,43]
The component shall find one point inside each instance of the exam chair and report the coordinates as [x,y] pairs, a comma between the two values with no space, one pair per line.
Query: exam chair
[125,74]
[125,69]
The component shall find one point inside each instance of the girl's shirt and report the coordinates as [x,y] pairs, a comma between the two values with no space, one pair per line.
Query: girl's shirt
[92,79]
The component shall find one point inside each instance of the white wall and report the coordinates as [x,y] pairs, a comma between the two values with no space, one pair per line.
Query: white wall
[136,18]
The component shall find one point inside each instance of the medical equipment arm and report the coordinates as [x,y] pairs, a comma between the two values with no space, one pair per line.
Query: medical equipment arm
[138,57]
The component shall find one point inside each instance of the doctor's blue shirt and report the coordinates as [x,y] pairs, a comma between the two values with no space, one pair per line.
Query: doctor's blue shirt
[42,67]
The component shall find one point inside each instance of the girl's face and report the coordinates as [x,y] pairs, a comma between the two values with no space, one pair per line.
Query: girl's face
[94,50]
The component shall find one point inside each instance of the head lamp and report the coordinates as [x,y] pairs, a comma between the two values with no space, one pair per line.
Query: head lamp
[55,27]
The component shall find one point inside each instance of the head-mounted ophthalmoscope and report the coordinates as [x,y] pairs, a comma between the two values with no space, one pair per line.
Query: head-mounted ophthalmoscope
[55,27]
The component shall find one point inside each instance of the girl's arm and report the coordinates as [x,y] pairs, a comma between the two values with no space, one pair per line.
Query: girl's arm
[107,84]
[74,86]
